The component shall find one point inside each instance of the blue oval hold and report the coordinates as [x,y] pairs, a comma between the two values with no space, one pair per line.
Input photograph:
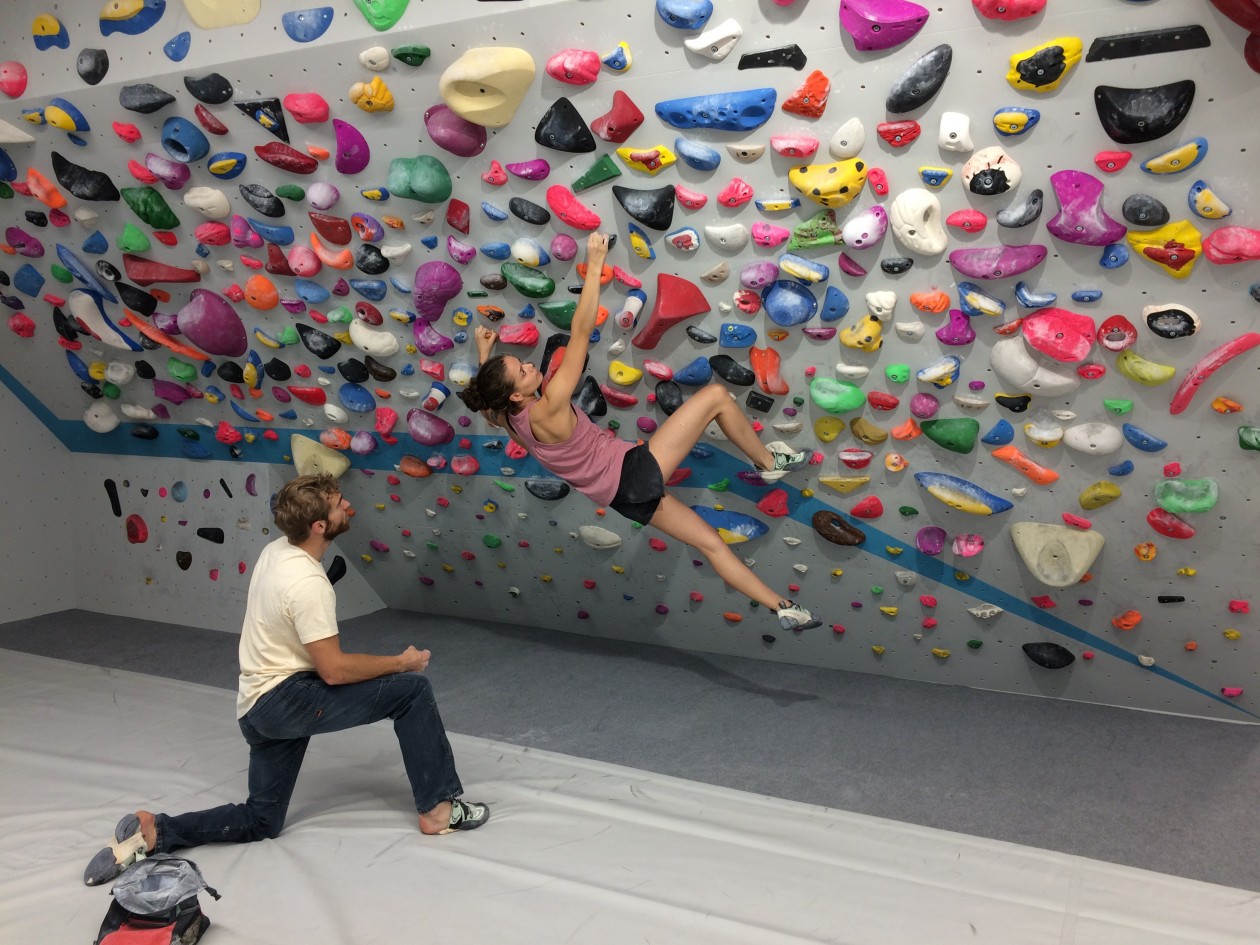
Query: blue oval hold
[303,26]
[179,491]
[1030,298]
[697,155]
[726,111]
[311,292]
[685,14]
[8,170]
[1087,295]
[701,451]
[497,250]
[177,46]
[289,414]
[1114,255]
[737,336]
[356,398]
[1146,442]
[272,233]
[96,244]
[835,305]
[698,372]
[1001,434]
[527,313]
[208,368]
[183,140]
[494,213]
[737,523]
[788,303]
[1121,469]
[371,289]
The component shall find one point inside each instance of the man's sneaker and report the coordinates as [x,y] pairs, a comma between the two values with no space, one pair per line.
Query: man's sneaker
[785,460]
[128,848]
[793,616]
[466,815]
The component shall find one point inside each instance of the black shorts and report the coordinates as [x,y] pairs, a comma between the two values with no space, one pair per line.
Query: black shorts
[641,488]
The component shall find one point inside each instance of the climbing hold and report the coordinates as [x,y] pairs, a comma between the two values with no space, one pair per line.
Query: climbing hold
[957,434]
[881,24]
[1171,321]
[1209,365]
[835,529]
[921,81]
[1098,439]
[810,100]
[724,111]
[1134,116]
[1081,218]
[381,15]
[1169,525]
[999,262]
[1143,371]
[1146,442]
[1178,159]
[915,219]
[1043,67]
[305,26]
[1204,202]
[422,178]
[1016,459]
[652,208]
[899,134]
[961,494]
[48,32]
[1012,121]
[991,171]
[1049,655]
[1232,244]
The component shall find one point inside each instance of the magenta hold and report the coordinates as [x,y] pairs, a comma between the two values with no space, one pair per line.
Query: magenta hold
[1081,218]
[428,428]
[850,266]
[931,539]
[881,24]
[377,545]
[352,152]
[243,235]
[820,333]
[583,614]
[997,262]
[170,391]
[789,411]
[209,321]
[172,173]
[646,425]
[341,288]
[564,247]
[23,243]
[426,580]
[975,385]
[924,406]
[293,306]
[452,132]
[537,169]
[957,331]
[463,253]
[758,275]
[166,322]
[429,341]
[436,283]
[662,609]
[322,195]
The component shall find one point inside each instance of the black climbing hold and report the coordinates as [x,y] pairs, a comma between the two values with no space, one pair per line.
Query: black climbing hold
[211,89]
[145,371]
[36,217]
[1144,210]
[1023,213]
[92,65]
[767,637]
[1171,321]
[1254,291]
[148,344]
[183,559]
[111,490]
[135,298]
[529,211]
[144,98]
[756,400]
[1171,599]
[92,389]
[731,371]
[224,486]
[317,343]
[262,200]
[1044,67]
[1147,42]
[493,281]
[669,396]
[231,372]
[211,534]
[83,183]
[64,326]
[380,372]
[895,265]
[835,529]
[277,370]
[144,431]
[1015,403]
[1049,655]
[268,113]
[353,370]
[921,81]
[370,260]
[791,56]
[562,129]
[590,399]
[652,208]
[107,270]
[1133,116]
[554,343]
[700,336]
[989,182]
[549,490]
[336,569]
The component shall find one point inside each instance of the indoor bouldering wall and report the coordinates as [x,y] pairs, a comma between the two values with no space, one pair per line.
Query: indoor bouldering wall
[992,264]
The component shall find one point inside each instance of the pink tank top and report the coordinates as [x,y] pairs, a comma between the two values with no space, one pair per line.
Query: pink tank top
[589,460]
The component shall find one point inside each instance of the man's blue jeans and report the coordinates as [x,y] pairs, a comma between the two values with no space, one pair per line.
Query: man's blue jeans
[280,725]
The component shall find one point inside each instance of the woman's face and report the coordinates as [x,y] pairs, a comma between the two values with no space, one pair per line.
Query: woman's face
[525,377]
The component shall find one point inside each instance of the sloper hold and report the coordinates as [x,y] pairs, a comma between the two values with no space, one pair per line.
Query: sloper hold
[305,26]
[1057,555]
[652,208]
[269,113]
[1134,116]
[83,183]
[144,98]
[212,89]
[791,56]
[563,129]
[724,111]
[998,262]
[313,458]
[960,494]
[1148,42]
[486,84]
[921,81]
[685,14]
[218,14]
[382,15]
[881,24]
[92,65]
[1049,655]
[1081,218]
[676,300]
[1041,68]
[131,18]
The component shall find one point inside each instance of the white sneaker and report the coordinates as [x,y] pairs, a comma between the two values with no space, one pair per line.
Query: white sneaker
[785,460]
[793,616]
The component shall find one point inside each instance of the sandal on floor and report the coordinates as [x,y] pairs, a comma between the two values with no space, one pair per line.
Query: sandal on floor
[128,848]
[466,815]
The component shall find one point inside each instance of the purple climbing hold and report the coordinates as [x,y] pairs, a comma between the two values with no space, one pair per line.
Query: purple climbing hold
[209,321]
[997,262]
[536,169]
[452,132]
[428,428]
[881,24]
[436,283]
[1081,218]
[353,152]
[429,341]
[957,331]
[931,539]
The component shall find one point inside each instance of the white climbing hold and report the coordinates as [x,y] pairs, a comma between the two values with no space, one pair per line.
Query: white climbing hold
[985,611]
[100,417]
[848,140]
[602,539]
[1056,554]
[313,458]
[379,344]
[716,42]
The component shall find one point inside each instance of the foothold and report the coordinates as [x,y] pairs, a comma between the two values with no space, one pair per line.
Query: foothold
[835,529]
[881,24]
[1135,116]
[960,494]
[305,26]
[1177,160]
[268,113]
[1049,655]
[1013,121]
[144,98]
[1205,203]
[1110,162]
[1043,67]
[724,111]
[918,84]
[790,56]
[999,262]
[211,89]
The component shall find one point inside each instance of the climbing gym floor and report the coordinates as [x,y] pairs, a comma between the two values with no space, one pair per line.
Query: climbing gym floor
[635,794]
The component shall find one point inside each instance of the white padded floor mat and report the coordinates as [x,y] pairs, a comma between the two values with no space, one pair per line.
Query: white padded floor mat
[576,851]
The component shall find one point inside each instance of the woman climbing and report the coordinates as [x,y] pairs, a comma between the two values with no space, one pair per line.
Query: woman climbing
[538,414]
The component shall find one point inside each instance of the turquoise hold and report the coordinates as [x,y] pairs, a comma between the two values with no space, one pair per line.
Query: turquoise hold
[422,178]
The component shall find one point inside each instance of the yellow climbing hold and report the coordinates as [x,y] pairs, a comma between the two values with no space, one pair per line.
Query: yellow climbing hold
[651,160]
[961,576]
[618,569]
[380,506]
[864,335]
[1174,247]
[832,185]
[367,559]
[1187,572]
[894,550]
[940,653]
[624,374]
[1098,495]
[807,493]
[844,484]
[373,96]
[449,569]
[837,572]
[1043,67]
[1137,368]
[878,650]
[888,611]
[1231,634]
[828,428]
[545,578]
[730,537]
[1178,159]
[869,433]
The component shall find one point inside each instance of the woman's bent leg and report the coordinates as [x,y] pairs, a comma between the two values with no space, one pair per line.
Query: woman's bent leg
[682,430]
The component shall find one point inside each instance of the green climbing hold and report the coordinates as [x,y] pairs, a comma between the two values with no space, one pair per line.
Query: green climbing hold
[534,284]
[1118,406]
[133,240]
[291,192]
[908,511]
[341,315]
[188,433]
[289,336]
[836,396]
[1249,438]
[1186,495]
[110,390]
[477,294]
[505,486]
[6,192]
[422,178]
[819,230]
[975,644]
[382,14]
[431,545]
[411,55]
[954,433]
[602,170]
[614,425]
[897,373]
[798,401]
[61,274]
[720,486]
[181,370]
[876,589]
[491,541]
[151,207]
[558,313]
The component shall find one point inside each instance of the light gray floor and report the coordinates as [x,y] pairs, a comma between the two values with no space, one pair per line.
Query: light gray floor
[1159,792]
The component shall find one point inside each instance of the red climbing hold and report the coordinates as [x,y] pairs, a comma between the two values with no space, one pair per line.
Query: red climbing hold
[137,530]
[870,507]
[676,300]
[774,503]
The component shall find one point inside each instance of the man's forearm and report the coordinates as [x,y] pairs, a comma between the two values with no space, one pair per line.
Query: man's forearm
[360,667]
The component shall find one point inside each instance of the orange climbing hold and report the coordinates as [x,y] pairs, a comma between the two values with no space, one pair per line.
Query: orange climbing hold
[731,616]
[810,100]
[414,467]
[907,431]
[934,301]
[1127,620]
[765,365]
[44,190]
[1015,458]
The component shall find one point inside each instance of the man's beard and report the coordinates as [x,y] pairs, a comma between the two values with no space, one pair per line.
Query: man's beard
[331,531]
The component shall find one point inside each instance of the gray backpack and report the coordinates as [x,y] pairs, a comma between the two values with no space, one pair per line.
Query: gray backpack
[155,903]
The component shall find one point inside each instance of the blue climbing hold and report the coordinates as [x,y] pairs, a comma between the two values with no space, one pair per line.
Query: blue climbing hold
[724,111]
[28,280]
[202,250]
[282,235]
[289,414]
[311,292]
[734,526]
[701,451]
[1121,469]
[79,367]
[243,413]
[84,273]
[179,491]
[226,165]
[736,336]
[1030,298]
[303,26]
[1114,255]
[1146,442]
[183,140]
[429,241]
[788,303]
[527,313]
[356,398]
[835,305]
[1001,433]
[695,374]
[497,214]
[371,289]
[96,244]
[619,59]
[685,14]
[497,250]
[137,21]
[697,155]
[1087,295]
[8,170]
[177,46]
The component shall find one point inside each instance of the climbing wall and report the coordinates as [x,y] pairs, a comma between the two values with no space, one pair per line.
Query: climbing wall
[991,263]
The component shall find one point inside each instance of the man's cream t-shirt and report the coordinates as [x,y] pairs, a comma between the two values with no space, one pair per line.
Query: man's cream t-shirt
[291,602]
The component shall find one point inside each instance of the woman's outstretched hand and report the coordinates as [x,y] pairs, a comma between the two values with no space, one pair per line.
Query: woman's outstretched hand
[485,338]
[596,251]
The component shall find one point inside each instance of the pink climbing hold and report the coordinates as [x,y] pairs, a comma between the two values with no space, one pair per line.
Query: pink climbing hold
[1239,607]
[574,66]
[1060,334]
[957,331]
[1081,218]
[465,465]
[21,325]
[927,600]
[1008,9]
[127,131]
[969,220]
[1232,244]
[735,194]
[774,503]
[565,204]
[850,266]
[307,108]
[881,24]
[798,147]
[998,262]
[1044,601]
[525,334]
[496,176]
[768,234]
[13,78]
[870,507]
[379,546]
[1231,692]
[691,199]
[657,544]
